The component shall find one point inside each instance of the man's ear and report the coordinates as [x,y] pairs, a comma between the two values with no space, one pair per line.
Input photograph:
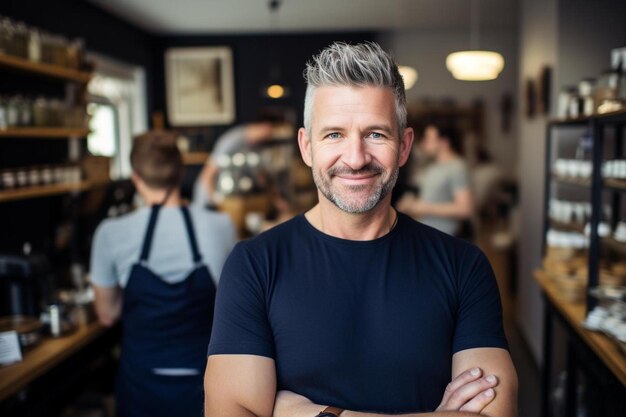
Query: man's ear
[406,145]
[137,181]
[304,143]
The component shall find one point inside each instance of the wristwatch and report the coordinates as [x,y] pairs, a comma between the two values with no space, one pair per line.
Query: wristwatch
[330,412]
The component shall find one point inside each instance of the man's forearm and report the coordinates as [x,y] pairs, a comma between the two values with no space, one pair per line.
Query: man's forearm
[433,414]
[311,410]
[451,210]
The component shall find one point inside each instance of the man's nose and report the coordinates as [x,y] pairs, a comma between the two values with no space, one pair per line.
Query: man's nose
[356,155]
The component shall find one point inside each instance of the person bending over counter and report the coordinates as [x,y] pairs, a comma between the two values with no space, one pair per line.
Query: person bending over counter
[353,308]
[156,269]
[236,139]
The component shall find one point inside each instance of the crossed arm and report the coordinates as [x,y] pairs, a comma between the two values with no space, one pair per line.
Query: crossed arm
[245,386]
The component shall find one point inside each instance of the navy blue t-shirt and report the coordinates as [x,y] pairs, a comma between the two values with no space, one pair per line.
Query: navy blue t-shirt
[361,325]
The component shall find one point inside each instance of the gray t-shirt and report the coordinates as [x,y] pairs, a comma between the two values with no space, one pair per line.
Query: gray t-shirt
[229,143]
[117,245]
[437,185]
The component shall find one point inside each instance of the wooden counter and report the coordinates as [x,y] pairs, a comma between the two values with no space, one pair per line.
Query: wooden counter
[601,345]
[43,357]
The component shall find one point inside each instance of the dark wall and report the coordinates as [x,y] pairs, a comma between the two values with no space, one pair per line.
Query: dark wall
[254,57]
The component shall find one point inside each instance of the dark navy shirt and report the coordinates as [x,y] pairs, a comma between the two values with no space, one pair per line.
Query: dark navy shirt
[361,325]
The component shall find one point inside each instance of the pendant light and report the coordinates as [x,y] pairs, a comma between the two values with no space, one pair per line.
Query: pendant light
[409,76]
[475,64]
[274,89]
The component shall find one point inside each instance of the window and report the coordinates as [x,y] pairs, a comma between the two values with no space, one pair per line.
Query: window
[117,106]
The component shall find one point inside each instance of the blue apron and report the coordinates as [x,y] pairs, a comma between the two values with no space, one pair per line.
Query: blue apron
[165,327]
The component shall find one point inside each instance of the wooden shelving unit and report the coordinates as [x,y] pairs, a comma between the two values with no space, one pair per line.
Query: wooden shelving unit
[44,132]
[587,119]
[605,348]
[42,191]
[569,227]
[614,244]
[47,70]
[581,182]
[590,354]
[615,184]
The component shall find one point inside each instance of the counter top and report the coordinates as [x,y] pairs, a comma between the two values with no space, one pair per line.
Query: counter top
[44,356]
[604,347]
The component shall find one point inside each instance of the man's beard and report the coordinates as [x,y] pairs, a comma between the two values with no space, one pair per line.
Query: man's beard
[324,184]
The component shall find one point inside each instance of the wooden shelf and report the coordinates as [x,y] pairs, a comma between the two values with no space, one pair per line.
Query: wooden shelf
[48,70]
[614,244]
[46,190]
[44,357]
[620,114]
[615,184]
[195,158]
[44,132]
[569,227]
[581,182]
[605,348]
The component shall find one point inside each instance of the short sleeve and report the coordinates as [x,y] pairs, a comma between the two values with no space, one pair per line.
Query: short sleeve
[459,178]
[103,273]
[240,324]
[479,315]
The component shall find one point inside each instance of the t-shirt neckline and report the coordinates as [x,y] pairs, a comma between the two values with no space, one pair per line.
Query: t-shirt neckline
[353,243]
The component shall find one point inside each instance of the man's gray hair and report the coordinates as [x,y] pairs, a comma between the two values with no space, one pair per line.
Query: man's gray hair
[360,65]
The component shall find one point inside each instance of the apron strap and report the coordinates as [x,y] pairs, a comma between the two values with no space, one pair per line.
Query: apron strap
[147,240]
[191,235]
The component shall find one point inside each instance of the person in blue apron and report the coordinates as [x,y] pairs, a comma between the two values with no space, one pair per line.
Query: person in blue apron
[155,269]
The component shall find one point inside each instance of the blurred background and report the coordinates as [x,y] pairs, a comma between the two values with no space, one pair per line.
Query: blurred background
[537,120]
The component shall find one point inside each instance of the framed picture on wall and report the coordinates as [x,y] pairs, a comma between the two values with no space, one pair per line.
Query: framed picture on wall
[200,87]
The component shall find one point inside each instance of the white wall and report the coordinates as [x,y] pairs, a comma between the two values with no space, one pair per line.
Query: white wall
[538,47]
[427,50]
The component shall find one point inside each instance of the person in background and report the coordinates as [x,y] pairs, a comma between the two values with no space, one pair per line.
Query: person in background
[445,200]
[156,269]
[353,309]
[236,139]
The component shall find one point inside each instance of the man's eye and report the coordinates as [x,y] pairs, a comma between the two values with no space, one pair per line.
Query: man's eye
[333,135]
[376,135]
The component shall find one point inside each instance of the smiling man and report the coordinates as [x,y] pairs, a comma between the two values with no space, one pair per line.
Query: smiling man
[352,308]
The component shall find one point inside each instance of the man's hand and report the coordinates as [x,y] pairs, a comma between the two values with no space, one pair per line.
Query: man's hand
[469,392]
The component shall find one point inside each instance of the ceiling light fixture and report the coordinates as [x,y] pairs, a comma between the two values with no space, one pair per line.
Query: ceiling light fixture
[475,64]
[409,76]
[274,89]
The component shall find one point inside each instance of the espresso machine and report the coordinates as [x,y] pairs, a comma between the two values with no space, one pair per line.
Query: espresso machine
[26,284]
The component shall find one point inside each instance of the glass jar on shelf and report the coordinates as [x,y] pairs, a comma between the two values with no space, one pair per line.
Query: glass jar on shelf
[20,39]
[40,112]
[55,112]
[75,50]
[26,112]
[34,45]
[3,113]
[47,47]
[4,35]
[8,36]
[13,111]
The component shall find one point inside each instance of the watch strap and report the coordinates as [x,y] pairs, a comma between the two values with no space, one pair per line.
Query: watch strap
[331,412]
